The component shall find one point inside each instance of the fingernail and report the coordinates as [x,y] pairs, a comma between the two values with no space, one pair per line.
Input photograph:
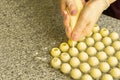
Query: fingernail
[74,37]
[73,12]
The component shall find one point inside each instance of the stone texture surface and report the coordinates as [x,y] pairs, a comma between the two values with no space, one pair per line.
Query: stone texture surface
[29,29]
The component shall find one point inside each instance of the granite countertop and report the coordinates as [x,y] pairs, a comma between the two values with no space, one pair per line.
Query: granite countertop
[29,29]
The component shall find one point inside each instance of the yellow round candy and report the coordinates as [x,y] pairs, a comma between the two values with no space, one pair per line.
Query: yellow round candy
[93,61]
[99,46]
[73,51]
[83,56]
[72,43]
[56,63]
[112,61]
[104,67]
[114,36]
[115,72]
[116,45]
[109,50]
[55,52]
[64,47]
[107,77]
[104,32]
[65,57]
[95,73]
[91,51]
[81,46]
[65,68]
[86,77]
[84,67]
[90,41]
[97,36]
[117,55]
[106,41]
[96,28]
[75,73]
[101,56]
[74,62]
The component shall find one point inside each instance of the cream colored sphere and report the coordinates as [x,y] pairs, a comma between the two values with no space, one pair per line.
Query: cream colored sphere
[99,46]
[82,39]
[64,47]
[90,41]
[104,67]
[95,73]
[107,77]
[81,46]
[97,36]
[84,67]
[107,41]
[115,72]
[65,57]
[101,55]
[56,63]
[75,73]
[114,36]
[117,55]
[74,62]
[91,51]
[86,77]
[83,56]
[96,28]
[104,32]
[72,43]
[116,45]
[109,50]
[65,68]
[55,52]
[93,61]
[112,61]
[73,51]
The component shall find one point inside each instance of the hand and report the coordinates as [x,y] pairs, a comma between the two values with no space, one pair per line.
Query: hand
[87,19]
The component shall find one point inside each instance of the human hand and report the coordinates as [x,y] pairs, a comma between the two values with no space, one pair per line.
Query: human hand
[87,19]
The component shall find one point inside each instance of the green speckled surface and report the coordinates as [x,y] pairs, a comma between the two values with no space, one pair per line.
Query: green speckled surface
[29,29]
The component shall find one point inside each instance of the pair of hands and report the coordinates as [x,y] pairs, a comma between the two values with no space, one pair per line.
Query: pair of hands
[88,17]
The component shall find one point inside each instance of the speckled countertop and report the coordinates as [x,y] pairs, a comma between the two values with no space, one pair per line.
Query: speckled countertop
[28,30]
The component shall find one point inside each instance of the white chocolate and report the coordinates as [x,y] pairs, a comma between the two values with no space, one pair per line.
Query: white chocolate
[101,56]
[116,45]
[104,32]
[75,73]
[93,61]
[112,61]
[73,51]
[65,68]
[56,63]
[117,55]
[115,72]
[74,62]
[99,46]
[90,41]
[96,28]
[83,56]
[72,43]
[86,77]
[55,52]
[106,41]
[107,77]
[65,57]
[81,46]
[109,50]
[95,73]
[85,67]
[64,47]
[97,36]
[91,51]
[114,36]
[104,67]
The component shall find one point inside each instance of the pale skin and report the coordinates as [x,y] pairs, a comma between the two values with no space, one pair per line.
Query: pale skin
[92,9]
